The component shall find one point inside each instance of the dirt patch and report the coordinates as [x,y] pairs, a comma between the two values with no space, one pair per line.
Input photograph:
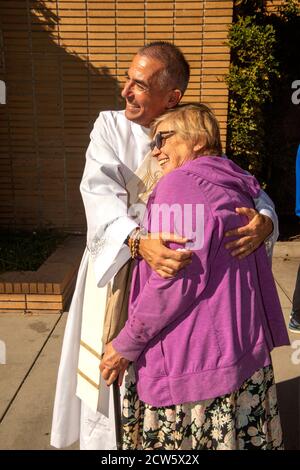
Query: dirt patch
[27,251]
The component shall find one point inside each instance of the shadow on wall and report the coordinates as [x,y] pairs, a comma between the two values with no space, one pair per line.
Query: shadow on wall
[53,98]
[288,394]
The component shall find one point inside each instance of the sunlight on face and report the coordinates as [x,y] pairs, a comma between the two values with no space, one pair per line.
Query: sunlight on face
[145,99]
[174,150]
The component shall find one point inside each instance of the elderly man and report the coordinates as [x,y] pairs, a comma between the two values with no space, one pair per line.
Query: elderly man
[156,81]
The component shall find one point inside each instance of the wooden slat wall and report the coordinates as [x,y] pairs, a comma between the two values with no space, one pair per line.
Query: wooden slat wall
[6,182]
[63,62]
[216,59]
[272,5]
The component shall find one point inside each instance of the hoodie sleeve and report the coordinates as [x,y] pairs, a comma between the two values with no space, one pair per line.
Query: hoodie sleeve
[164,300]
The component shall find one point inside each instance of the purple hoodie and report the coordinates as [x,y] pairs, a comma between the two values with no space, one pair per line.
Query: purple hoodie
[202,333]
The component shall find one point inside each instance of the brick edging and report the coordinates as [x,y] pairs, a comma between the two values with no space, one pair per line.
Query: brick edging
[48,289]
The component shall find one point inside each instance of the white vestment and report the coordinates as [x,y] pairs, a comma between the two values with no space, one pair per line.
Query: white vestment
[116,150]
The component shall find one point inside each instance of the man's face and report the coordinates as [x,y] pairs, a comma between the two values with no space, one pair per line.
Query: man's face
[145,99]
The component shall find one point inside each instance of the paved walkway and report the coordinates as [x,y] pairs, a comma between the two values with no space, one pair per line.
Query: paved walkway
[27,380]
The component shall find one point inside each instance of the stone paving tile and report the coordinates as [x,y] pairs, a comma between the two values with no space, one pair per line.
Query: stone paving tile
[27,423]
[285,272]
[24,336]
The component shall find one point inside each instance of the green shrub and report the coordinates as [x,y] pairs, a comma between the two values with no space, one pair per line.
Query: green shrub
[253,66]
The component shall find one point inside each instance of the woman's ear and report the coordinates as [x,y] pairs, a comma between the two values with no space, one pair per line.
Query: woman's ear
[174,98]
[197,148]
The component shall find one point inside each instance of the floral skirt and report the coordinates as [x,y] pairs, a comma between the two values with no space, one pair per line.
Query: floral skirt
[245,419]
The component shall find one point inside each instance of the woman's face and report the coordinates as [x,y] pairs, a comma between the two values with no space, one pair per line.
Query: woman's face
[173,151]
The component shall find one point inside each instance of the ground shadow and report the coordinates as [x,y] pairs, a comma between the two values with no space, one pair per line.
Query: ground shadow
[289,228]
[288,394]
[53,97]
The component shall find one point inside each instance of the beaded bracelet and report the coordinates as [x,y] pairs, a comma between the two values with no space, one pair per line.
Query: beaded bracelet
[134,242]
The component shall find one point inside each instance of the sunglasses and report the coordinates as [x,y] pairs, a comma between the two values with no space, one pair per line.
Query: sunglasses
[159,139]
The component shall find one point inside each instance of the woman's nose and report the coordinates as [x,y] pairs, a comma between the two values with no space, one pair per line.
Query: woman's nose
[155,152]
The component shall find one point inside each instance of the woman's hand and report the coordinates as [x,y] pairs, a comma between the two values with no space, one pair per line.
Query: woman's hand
[164,261]
[113,365]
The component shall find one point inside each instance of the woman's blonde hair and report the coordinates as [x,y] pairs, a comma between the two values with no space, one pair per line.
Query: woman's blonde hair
[196,123]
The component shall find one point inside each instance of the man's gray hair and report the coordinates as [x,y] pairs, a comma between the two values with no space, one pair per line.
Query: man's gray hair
[176,73]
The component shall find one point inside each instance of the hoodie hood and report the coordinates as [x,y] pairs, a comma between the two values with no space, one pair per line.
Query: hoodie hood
[224,172]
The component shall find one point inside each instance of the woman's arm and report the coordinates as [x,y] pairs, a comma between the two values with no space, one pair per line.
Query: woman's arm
[162,301]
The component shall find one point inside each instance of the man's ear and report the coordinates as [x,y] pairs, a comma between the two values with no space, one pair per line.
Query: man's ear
[174,98]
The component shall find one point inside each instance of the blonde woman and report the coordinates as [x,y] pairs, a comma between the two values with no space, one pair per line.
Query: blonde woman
[200,342]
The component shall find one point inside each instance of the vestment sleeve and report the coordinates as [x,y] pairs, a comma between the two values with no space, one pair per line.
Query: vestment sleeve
[105,200]
[264,205]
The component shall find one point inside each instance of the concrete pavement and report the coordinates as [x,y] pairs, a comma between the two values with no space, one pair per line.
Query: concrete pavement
[33,345]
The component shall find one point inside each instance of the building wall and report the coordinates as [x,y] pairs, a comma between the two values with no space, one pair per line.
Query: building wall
[63,62]
[272,5]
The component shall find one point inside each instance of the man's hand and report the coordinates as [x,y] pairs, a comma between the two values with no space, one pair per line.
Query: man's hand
[113,365]
[251,236]
[161,259]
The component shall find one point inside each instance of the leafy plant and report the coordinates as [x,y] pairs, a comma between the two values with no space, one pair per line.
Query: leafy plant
[289,10]
[252,69]
[250,7]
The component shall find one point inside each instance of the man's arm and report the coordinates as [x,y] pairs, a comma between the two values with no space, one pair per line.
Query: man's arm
[105,201]
[262,227]
[265,206]
[163,260]
[103,189]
